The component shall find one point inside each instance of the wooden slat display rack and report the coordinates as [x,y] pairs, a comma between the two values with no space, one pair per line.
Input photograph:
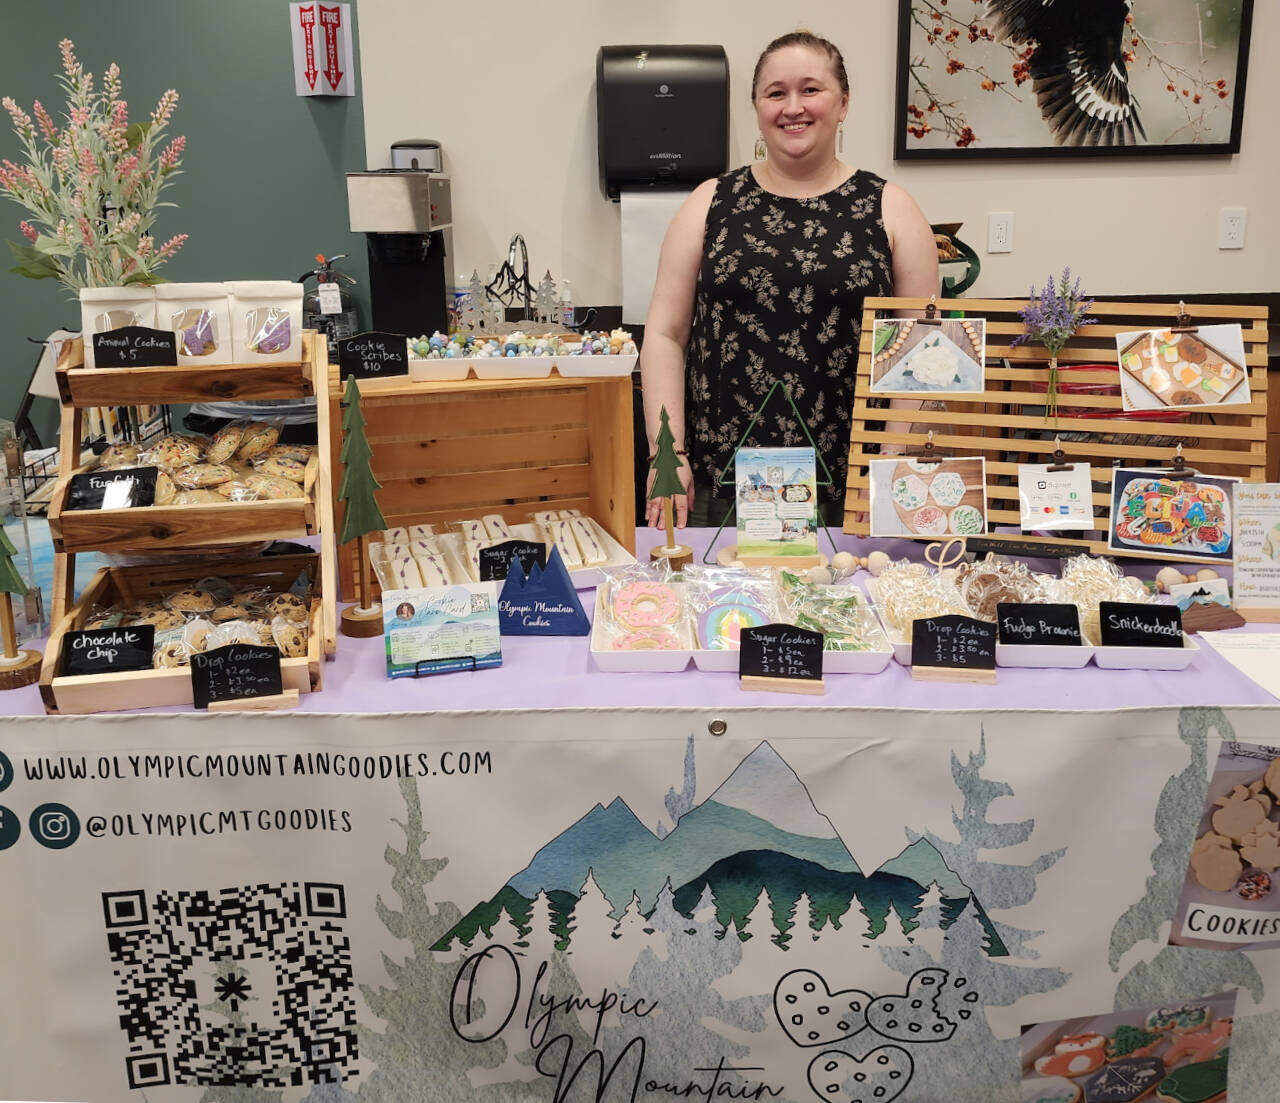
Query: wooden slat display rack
[1006,424]
[447,450]
[210,529]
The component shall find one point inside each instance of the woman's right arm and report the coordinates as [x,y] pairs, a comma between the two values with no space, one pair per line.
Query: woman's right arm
[666,337]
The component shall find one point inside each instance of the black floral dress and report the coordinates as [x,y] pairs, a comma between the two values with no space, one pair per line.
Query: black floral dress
[779,296]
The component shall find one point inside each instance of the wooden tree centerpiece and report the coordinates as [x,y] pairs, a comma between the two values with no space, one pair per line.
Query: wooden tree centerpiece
[666,465]
[18,667]
[361,515]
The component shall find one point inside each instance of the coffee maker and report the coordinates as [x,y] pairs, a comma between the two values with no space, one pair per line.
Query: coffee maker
[407,218]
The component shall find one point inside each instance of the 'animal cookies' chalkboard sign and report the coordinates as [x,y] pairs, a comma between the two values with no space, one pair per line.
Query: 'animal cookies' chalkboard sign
[135,347]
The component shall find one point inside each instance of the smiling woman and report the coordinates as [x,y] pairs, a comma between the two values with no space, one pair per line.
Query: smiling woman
[762,276]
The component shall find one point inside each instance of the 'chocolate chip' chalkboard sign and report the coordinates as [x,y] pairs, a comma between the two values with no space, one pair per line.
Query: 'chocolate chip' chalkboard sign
[135,347]
[780,651]
[373,355]
[953,642]
[1057,625]
[108,650]
[236,671]
[123,488]
[1130,624]
[495,560]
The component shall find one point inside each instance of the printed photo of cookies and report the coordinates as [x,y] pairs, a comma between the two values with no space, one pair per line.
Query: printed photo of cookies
[1177,1051]
[914,497]
[1162,368]
[914,357]
[1230,899]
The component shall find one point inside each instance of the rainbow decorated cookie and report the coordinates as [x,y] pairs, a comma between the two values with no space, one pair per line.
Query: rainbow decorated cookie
[1124,1081]
[1049,1089]
[730,611]
[1202,1083]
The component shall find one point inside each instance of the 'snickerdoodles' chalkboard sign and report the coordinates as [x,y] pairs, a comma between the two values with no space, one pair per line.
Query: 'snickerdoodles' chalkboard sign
[108,650]
[1051,624]
[787,658]
[953,648]
[234,672]
[1130,624]
[373,355]
[135,347]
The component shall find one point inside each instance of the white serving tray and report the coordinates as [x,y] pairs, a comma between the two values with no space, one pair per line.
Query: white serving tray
[1044,655]
[1147,658]
[583,578]
[600,367]
[439,370]
[632,662]
[512,367]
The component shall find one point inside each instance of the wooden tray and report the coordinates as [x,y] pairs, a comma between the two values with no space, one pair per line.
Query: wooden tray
[82,694]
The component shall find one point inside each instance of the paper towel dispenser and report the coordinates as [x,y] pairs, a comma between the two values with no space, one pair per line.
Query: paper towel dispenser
[662,114]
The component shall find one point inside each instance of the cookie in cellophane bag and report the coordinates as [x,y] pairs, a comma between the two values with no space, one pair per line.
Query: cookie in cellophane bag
[641,621]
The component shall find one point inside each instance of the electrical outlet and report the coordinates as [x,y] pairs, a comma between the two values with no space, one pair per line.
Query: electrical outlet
[1000,232]
[1231,224]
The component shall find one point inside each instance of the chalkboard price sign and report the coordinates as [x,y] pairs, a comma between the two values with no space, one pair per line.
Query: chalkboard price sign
[108,650]
[1127,624]
[373,355]
[1055,625]
[120,489]
[234,672]
[953,648]
[135,347]
[495,560]
[781,653]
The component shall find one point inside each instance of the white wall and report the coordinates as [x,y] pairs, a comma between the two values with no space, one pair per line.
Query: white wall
[508,87]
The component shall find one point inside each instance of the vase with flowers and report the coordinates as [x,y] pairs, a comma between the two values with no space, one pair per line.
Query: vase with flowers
[91,183]
[1051,316]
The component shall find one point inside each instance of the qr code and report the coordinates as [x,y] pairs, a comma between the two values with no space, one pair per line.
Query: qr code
[245,986]
[479,603]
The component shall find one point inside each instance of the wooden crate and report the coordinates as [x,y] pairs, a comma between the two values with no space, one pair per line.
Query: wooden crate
[447,450]
[1217,440]
[171,686]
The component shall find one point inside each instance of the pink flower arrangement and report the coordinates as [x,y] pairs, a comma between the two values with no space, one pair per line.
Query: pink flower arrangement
[91,187]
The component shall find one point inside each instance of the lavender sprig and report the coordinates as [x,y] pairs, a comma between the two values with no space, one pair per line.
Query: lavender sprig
[1051,316]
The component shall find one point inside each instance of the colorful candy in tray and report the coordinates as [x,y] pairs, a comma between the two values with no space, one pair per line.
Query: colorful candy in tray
[441,346]
[1167,514]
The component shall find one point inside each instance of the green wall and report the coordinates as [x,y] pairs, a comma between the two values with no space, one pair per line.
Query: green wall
[263,188]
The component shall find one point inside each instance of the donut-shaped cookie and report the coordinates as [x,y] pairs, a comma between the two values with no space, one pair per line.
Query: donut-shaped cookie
[647,639]
[645,604]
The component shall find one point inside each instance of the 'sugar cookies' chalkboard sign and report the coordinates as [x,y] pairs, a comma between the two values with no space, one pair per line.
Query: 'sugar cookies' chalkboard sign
[781,658]
[953,649]
[373,355]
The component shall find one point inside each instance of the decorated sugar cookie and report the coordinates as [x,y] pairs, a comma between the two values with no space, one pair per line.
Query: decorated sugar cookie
[1182,1018]
[1075,1055]
[1205,1082]
[1050,1089]
[910,492]
[1200,1045]
[947,489]
[966,520]
[1133,1041]
[1124,1081]
[929,521]
[730,610]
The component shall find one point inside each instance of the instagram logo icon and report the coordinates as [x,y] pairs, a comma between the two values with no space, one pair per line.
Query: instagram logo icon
[54,826]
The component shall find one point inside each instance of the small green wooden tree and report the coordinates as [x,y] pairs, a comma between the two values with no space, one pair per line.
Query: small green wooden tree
[361,515]
[10,583]
[666,465]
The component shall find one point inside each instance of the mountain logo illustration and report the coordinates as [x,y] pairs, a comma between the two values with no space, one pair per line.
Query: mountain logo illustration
[759,830]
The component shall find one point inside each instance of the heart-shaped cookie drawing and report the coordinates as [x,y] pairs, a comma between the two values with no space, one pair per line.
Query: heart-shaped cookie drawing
[879,1077]
[813,1015]
[913,1017]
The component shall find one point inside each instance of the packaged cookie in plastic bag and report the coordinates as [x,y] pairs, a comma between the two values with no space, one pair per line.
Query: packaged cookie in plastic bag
[258,438]
[198,314]
[840,611]
[724,600]
[906,592]
[1088,580]
[266,320]
[290,637]
[986,583]
[642,610]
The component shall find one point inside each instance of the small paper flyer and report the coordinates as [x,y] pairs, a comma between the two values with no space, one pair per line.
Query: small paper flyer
[1055,496]
[1257,545]
[777,512]
[437,630]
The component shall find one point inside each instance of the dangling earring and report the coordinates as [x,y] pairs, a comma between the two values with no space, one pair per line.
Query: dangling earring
[761,151]
[840,138]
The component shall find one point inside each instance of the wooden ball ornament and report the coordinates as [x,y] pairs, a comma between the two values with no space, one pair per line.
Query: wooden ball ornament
[361,622]
[1168,577]
[876,562]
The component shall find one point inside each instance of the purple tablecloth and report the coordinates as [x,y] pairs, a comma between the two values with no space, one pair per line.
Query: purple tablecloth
[558,672]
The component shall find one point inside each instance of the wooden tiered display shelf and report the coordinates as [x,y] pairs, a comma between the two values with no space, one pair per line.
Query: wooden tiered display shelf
[1007,425]
[202,535]
[447,450]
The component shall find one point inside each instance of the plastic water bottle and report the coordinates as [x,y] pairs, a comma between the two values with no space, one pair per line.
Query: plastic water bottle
[566,304]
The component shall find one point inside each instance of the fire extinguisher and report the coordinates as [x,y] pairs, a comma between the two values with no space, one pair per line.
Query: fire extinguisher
[329,306]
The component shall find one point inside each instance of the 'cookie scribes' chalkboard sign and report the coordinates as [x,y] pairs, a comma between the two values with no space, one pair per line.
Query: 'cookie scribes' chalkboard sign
[953,649]
[233,672]
[135,347]
[122,488]
[1130,624]
[781,658]
[373,355]
[1053,624]
[108,650]
[495,560]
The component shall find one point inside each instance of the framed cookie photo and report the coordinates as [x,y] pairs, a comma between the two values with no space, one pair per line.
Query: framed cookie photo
[926,499]
[1230,897]
[1163,369]
[1171,514]
[912,357]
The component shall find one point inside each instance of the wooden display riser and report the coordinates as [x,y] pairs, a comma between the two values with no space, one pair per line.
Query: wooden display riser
[447,450]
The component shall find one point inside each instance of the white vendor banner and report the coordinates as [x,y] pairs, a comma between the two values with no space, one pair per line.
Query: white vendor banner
[597,906]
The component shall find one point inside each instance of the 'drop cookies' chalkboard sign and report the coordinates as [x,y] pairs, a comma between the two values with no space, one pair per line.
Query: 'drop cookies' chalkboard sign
[135,347]
[495,560]
[121,489]
[1126,624]
[781,658]
[234,672]
[373,355]
[1054,625]
[953,649]
[108,650]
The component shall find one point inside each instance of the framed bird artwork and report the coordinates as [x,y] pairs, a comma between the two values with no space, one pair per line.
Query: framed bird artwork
[1008,78]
